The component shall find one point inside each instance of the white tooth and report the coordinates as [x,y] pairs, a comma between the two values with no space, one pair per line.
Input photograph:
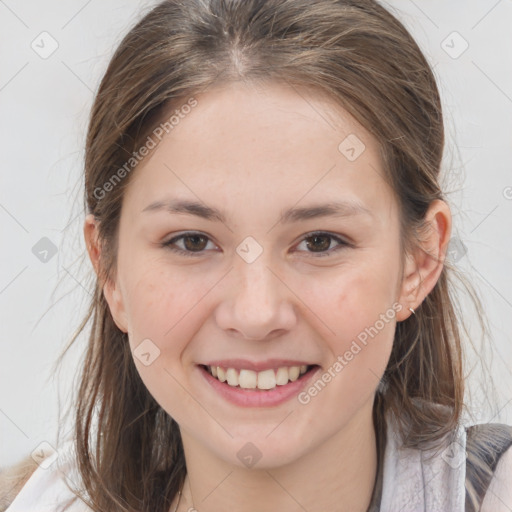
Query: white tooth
[282,376]
[267,379]
[303,369]
[221,374]
[232,377]
[293,372]
[247,379]
[214,370]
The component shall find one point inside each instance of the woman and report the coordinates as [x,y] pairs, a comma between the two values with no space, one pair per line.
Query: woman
[272,314]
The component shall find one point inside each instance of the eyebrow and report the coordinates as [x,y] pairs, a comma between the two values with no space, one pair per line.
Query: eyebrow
[332,209]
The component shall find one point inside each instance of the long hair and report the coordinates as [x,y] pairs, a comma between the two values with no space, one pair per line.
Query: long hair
[129,450]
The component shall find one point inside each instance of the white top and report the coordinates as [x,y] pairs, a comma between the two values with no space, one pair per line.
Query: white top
[46,490]
[411,482]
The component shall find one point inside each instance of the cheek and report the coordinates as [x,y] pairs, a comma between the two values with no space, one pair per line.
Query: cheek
[358,306]
[353,297]
[164,307]
[356,314]
[161,304]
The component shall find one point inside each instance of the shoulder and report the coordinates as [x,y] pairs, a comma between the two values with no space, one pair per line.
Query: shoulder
[30,486]
[499,494]
[12,480]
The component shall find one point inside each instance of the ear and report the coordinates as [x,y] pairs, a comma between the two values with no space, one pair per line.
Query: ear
[111,289]
[424,266]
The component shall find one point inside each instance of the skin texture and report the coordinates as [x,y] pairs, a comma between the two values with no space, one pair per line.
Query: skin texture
[254,152]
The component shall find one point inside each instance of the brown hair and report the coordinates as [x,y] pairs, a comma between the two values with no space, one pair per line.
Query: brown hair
[129,450]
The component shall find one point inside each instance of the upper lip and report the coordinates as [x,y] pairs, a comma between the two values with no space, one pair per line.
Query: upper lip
[257,366]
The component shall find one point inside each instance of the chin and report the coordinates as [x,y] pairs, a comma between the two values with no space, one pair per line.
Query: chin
[258,450]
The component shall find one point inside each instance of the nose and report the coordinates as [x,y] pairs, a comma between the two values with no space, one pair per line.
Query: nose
[256,304]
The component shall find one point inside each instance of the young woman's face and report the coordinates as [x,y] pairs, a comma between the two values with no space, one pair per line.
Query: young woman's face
[257,290]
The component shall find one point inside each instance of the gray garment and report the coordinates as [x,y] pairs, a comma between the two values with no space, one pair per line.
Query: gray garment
[437,480]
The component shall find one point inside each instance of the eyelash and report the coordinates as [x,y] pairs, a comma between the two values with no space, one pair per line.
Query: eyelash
[342,244]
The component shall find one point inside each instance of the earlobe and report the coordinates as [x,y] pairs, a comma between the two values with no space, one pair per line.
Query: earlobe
[424,266]
[110,289]
[410,288]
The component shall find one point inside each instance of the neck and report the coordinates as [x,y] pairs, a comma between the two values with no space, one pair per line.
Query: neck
[343,468]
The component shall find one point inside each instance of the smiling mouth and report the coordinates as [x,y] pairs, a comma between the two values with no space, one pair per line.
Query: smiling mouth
[265,380]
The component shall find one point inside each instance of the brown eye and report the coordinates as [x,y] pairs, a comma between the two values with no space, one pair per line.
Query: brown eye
[319,244]
[193,244]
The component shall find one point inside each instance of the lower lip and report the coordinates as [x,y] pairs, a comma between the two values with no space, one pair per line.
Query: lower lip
[258,398]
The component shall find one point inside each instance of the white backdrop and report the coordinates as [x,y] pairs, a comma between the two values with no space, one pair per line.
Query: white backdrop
[52,57]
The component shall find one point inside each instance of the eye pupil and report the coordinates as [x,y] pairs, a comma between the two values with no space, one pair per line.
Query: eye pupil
[194,238]
[323,246]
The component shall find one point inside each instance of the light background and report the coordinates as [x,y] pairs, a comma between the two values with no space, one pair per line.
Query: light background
[44,107]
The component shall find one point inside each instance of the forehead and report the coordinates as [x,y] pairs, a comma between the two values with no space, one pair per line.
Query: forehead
[245,145]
